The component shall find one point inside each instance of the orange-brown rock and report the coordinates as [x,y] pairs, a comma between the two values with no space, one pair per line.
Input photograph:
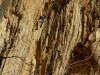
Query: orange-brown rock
[66,42]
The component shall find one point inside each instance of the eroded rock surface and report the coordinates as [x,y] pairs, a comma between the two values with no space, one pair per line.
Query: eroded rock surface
[67,43]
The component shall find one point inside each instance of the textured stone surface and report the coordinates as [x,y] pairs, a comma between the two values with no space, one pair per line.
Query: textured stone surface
[67,43]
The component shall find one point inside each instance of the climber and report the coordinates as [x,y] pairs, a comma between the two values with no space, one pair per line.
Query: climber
[40,20]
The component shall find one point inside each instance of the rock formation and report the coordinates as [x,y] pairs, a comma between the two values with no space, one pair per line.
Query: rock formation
[67,42]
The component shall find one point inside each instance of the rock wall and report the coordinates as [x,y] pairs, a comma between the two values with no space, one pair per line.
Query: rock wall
[66,42]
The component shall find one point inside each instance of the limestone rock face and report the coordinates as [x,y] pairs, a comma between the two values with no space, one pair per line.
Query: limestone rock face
[67,42]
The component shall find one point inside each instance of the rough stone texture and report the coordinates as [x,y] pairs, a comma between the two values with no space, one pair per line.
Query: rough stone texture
[67,43]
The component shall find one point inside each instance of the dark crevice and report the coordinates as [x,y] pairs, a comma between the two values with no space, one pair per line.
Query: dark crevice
[13,31]
[17,7]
